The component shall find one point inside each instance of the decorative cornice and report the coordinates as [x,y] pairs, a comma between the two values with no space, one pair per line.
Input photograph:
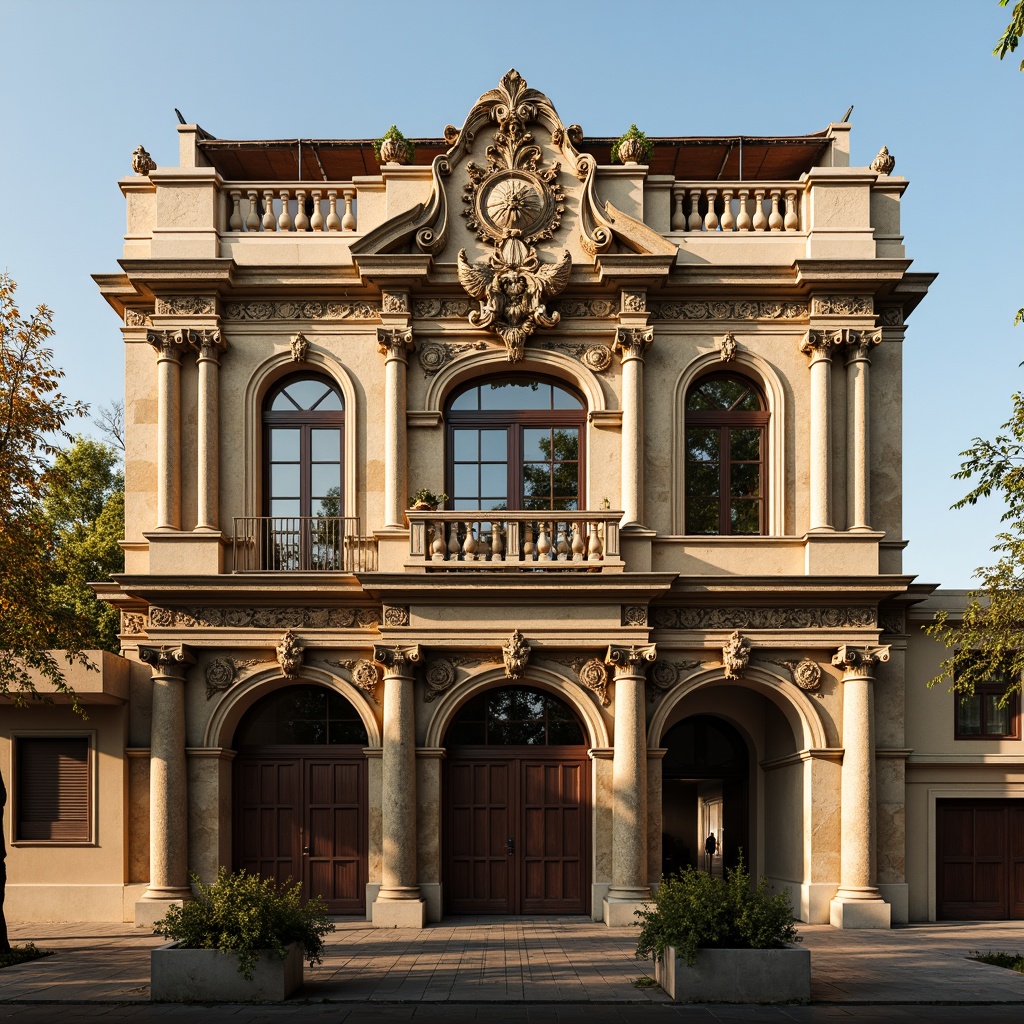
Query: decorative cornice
[859,662]
[312,310]
[767,617]
[842,305]
[716,309]
[264,618]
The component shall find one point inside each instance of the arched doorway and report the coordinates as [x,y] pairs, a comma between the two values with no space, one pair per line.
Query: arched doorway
[300,794]
[705,780]
[517,806]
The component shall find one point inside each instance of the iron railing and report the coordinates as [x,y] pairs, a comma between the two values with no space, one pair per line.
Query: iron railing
[302,544]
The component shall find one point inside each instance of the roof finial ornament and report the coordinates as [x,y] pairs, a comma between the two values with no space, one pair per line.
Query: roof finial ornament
[142,162]
[884,163]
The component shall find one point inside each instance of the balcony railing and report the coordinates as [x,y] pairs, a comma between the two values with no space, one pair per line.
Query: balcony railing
[575,541]
[302,544]
[738,206]
[291,207]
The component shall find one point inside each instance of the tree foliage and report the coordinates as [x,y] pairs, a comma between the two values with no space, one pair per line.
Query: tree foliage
[33,420]
[1008,42]
[989,641]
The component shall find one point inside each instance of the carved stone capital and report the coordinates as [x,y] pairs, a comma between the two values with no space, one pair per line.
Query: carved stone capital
[735,655]
[819,344]
[170,345]
[208,344]
[162,658]
[630,661]
[859,662]
[859,344]
[290,652]
[397,660]
[515,654]
[395,342]
[633,342]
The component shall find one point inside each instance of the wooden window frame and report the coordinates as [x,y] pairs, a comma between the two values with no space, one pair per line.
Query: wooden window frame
[18,798]
[724,422]
[983,690]
[515,422]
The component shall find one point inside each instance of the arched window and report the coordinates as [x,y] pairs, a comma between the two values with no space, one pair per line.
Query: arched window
[515,716]
[303,421]
[726,470]
[300,716]
[515,443]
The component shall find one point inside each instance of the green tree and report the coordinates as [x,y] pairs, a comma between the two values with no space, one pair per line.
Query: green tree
[1011,37]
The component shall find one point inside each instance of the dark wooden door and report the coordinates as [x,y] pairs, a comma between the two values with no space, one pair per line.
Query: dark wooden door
[516,835]
[303,816]
[980,852]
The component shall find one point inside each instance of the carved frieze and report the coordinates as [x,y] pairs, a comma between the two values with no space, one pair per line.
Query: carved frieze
[133,623]
[892,622]
[221,673]
[634,615]
[396,615]
[442,309]
[264,618]
[720,310]
[842,305]
[356,310]
[892,316]
[395,302]
[435,355]
[585,309]
[769,617]
[136,318]
[633,301]
[735,655]
[186,305]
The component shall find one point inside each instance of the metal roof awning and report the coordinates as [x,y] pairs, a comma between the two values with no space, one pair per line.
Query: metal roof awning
[722,158]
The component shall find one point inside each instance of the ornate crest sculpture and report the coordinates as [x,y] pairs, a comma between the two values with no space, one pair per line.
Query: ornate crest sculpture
[512,203]
[735,655]
[516,654]
[290,652]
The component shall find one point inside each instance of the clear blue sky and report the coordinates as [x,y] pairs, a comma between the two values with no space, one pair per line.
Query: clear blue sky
[84,83]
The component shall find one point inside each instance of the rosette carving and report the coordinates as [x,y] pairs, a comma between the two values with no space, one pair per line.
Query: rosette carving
[805,673]
[222,672]
[593,675]
[440,675]
[396,615]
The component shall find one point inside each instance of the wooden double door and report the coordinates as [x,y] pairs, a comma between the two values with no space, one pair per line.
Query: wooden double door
[300,813]
[516,835]
[980,850]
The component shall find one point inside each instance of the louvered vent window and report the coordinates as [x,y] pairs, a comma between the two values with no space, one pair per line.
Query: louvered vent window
[53,789]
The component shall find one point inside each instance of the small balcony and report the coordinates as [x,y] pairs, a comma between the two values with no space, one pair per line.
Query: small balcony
[582,541]
[301,544]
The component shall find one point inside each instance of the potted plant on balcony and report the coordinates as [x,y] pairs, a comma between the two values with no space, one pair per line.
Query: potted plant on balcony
[716,940]
[425,500]
[632,147]
[242,938]
[394,148]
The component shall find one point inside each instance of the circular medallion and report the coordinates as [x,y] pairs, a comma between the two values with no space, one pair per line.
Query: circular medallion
[513,201]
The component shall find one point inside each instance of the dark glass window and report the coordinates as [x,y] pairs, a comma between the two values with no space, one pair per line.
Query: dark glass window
[984,716]
[303,423]
[300,715]
[726,422]
[515,443]
[515,716]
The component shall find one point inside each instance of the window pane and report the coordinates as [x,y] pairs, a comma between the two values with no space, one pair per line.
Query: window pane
[536,480]
[305,393]
[565,733]
[702,479]
[702,444]
[331,402]
[702,516]
[567,443]
[284,480]
[745,444]
[745,516]
[284,445]
[969,716]
[466,445]
[326,445]
[536,444]
[515,395]
[565,399]
[285,507]
[745,480]
[997,719]
[468,400]
[467,481]
[494,480]
[494,445]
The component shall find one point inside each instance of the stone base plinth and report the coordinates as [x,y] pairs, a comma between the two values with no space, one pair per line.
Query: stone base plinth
[621,913]
[845,913]
[398,913]
[148,912]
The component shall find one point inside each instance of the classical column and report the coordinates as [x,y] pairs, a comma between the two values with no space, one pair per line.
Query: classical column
[168,801]
[398,904]
[818,345]
[394,343]
[631,343]
[629,889]
[169,346]
[858,427]
[858,903]
[208,345]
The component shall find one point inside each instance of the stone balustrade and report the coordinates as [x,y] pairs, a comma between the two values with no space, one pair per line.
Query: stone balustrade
[291,207]
[724,206]
[580,541]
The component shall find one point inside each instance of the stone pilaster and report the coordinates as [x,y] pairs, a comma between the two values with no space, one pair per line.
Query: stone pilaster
[629,889]
[169,345]
[858,903]
[168,803]
[395,342]
[632,340]
[819,345]
[399,903]
[858,426]
[208,344]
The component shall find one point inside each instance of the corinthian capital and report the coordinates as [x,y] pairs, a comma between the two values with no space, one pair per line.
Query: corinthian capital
[170,344]
[397,660]
[633,342]
[860,343]
[859,662]
[819,344]
[394,342]
[208,344]
[632,660]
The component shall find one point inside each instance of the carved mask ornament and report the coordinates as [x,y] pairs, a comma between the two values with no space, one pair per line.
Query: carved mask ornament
[512,203]
[516,653]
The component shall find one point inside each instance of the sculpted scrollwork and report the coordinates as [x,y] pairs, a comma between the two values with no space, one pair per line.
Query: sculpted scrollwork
[222,672]
[428,309]
[631,660]
[842,305]
[186,305]
[593,674]
[720,310]
[735,655]
[585,309]
[769,617]
[396,615]
[234,617]
[805,673]
[595,357]
[436,355]
[311,310]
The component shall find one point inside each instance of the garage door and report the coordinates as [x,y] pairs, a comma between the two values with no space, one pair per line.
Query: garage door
[980,848]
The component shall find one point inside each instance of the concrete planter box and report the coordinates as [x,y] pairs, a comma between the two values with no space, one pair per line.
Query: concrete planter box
[211,976]
[737,976]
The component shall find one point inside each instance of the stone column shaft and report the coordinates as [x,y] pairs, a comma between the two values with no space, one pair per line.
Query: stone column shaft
[858,429]
[207,481]
[395,343]
[631,343]
[398,903]
[818,345]
[169,345]
[629,887]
